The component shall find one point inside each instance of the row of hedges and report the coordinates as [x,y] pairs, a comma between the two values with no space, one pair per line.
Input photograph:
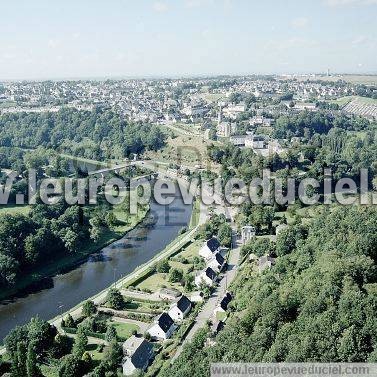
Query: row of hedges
[70,330]
[138,279]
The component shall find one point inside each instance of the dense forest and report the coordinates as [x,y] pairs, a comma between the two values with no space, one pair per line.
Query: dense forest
[306,124]
[31,140]
[45,234]
[98,134]
[318,303]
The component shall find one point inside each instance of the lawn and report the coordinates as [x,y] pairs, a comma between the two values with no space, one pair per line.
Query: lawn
[180,266]
[195,215]
[191,250]
[362,100]
[212,97]
[124,330]
[186,150]
[342,101]
[14,209]
[157,281]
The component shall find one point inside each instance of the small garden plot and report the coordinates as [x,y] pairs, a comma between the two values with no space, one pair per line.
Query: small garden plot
[158,280]
[192,250]
[125,330]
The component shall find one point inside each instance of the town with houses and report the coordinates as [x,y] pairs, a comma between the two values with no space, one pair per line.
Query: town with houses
[159,314]
[240,110]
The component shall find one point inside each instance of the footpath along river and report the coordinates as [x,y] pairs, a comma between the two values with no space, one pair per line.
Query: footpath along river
[138,246]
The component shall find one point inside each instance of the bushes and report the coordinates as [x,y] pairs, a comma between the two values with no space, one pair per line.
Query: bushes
[115,299]
[163,266]
[259,247]
[88,308]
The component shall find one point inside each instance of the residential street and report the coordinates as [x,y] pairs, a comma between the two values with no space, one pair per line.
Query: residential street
[207,311]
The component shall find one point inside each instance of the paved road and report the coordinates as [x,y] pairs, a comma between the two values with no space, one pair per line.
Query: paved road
[206,312]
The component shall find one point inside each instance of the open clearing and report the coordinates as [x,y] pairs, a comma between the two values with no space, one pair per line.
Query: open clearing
[184,150]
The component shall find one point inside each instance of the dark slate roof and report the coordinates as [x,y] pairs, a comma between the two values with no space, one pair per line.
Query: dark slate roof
[183,303]
[165,322]
[141,356]
[225,301]
[213,244]
[219,258]
[210,273]
[217,326]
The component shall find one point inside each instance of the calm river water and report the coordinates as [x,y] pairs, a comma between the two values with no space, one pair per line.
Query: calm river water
[122,257]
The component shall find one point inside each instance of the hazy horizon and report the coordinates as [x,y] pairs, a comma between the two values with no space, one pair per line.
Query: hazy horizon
[185,38]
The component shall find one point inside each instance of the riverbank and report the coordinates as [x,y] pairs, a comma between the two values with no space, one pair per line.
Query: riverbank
[61,284]
[99,298]
[172,248]
[34,279]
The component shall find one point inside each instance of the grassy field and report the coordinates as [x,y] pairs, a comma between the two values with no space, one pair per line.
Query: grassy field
[362,100]
[161,280]
[157,281]
[191,250]
[180,266]
[342,101]
[186,150]
[212,97]
[124,330]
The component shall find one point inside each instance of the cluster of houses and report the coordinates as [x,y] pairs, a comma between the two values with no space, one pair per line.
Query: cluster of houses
[138,352]
[165,101]
[215,262]
[165,324]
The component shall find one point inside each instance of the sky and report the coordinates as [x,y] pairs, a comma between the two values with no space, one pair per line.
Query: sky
[52,39]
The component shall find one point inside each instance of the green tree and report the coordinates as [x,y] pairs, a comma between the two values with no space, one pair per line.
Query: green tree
[70,239]
[111,334]
[69,322]
[70,366]
[31,362]
[225,235]
[111,219]
[95,229]
[163,266]
[8,270]
[19,360]
[88,308]
[113,356]
[80,344]
[176,275]
[114,299]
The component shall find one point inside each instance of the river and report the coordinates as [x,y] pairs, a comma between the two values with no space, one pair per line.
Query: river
[138,246]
